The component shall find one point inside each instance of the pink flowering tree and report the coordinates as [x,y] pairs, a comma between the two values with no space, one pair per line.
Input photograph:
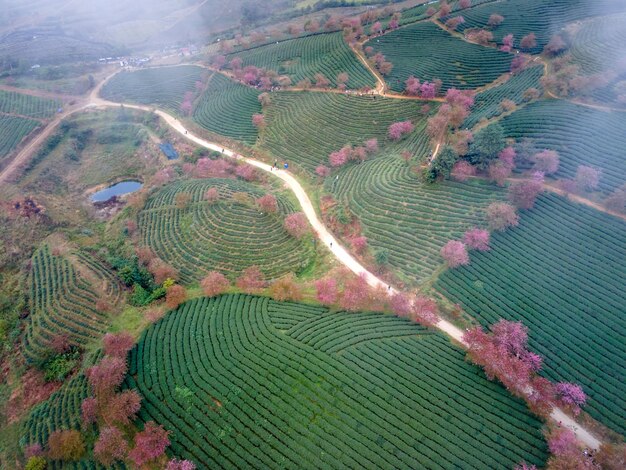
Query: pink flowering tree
[499,172]
[327,291]
[522,194]
[118,344]
[477,239]
[507,43]
[340,157]
[150,444]
[428,90]
[355,293]
[572,395]
[412,86]
[455,254]
[359,244]
[176,464]
[546,161]
[587,178]
[259,121]
[296,225]
[110,447]
[501,216]
[371,145]
[462,170]
[267,203]
[322,171]
[400,129]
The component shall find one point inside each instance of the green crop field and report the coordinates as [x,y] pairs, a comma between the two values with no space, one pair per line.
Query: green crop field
[226,108]
[562,273]
[247,382]
[487,103]
[410,219]
[542,17]
[28,106]
[12,131]
[304,57]
[63,300]
[581,135]
[428,52]
[304,128]
[164,86]
[226,236]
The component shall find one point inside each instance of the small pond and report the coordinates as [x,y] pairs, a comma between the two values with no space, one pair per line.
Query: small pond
[119,189]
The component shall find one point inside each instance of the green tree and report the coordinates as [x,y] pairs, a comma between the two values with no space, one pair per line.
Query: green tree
[488,143]
[442,165]
[382,257]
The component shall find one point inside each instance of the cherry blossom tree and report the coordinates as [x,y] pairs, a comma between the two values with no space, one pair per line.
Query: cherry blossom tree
[523,194]
[587,178]
[106,376]
[176,464]
[501,216]
[286,288]
[546,161]
[453,23]
[495,19]
[118,344]
[525,466]
[507,156]
[322,171]
[572,395]
[499,172]
[236,63]
[428,90]
[444,9]
[518,64]
[477,239]
[402,304]
[342,80]
[562,441]
[507,43]
[376,28]
[89,410]
[355,293]
[214,283]
[463,4]
[555,46]
[327,291]
[425,311]
[66,444]
[150,444]
[212,195]
[267,203]
[371,145]
[398,130]
[110,447]
[265,99]
[455,254]
[219,61]
[259,121]
[462,170]
[296,225]
[340,157]
[529,41]
[321,81]
[412,86]
[247,172]
[251,280]
[480,36]
[162,271]
[359,244]
[175,296]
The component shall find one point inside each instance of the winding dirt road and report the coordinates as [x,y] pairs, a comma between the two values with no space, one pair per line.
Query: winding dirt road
[342,255]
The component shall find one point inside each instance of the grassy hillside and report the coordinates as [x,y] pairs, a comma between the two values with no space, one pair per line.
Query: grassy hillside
[244,381]
[560,272]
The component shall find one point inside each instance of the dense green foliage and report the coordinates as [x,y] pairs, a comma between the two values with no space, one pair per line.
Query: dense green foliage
[561,272]
[12,131]
[487,103]
[164,86]
[302,58]
[246,382]
[226,108]
[27,105]
[542,17]
[63,302]
[428,52]
[581,135]
[305,128]
[226,236]
[410,219]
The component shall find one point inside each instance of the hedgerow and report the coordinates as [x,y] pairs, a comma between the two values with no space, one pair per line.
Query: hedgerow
[227,107]
[164,86]
[576,320]
[225,236]
[304,128]
[304,57]
[247,382]
[428,52]
[581,135]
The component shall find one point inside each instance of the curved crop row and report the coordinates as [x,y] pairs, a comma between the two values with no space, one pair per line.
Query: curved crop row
[302,58]
[544,18]
[581,135]
[226,108]
[428,52]
[304,128]
[226,236]
[239,393]
[63,302]
[577,321]
[12,131]
[487,103]
[409,219]
[26,105]
[163,86]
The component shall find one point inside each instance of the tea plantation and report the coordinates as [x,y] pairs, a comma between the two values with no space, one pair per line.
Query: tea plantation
[561,272]
[302,58]
[247,382]
[226,236]
[428,52]
[12,131]
[27,106]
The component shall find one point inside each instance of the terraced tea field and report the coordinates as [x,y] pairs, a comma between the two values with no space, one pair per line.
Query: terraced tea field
[63,301]
[304,57]
[562,273]
[410,219]
[226,108]
[28,106]
[164,86]
[12,131]
[226,236]
[304,128]
[246,382]
[581,135]
[428,52]
[542,17]
[487,103]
